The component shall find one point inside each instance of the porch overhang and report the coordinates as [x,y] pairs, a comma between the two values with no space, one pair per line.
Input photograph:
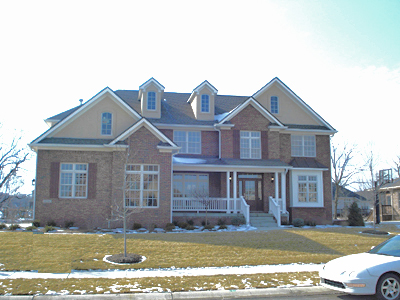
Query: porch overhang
[206,164]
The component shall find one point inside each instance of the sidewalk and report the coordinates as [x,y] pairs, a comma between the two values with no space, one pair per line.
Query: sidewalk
[270,293]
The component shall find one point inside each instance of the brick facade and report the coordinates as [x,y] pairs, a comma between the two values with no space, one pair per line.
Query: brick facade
[109,182]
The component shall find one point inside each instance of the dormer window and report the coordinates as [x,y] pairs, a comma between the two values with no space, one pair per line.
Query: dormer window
[274,105]
[205,103]
[151,101]
[106,123]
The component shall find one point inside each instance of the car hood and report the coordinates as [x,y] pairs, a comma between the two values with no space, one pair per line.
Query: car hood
[359,262]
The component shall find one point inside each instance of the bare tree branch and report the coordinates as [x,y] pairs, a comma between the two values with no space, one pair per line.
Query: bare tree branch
[11,159]
[342,170]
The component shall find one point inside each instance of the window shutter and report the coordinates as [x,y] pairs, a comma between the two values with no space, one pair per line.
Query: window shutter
[236,143]
[54,179]
[92,181]
[264,144]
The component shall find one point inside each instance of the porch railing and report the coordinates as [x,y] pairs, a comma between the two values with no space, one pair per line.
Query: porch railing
[213,205]
[244,208]
[275,209]
[190,204]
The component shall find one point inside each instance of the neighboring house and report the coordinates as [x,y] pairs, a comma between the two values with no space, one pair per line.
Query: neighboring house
[14,207]
[269,152]
[389,200]
[346,198]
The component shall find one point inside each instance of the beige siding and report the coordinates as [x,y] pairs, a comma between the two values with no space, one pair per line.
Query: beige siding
[88,124]
[289,111]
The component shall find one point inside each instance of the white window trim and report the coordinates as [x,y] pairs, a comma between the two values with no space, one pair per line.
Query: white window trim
[101,127]
[73,171]
[277,104]
[187,141]
[303,145]
[295,188]
[201,104]
[142,172]
[250,138]
[155,101]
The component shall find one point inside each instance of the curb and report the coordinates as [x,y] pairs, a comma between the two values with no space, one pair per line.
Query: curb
[271,293]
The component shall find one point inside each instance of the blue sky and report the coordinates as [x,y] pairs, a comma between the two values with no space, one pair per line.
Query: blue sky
[341,57]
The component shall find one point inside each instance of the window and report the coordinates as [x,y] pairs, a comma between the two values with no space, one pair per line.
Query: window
[106,123]
[73,180]
[151,101]
[190,141]
[141,185]
[274,105]
[250,144]
[205,103]
[188,185]
[307,188]
[303,145]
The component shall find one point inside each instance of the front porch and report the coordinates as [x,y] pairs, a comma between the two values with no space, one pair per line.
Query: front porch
[253,194]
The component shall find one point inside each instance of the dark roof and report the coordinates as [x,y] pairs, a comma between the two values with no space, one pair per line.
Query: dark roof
[73,141]
[343,192]
[306,162]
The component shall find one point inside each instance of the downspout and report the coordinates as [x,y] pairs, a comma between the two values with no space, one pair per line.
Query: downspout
[34,192]
[219,141]
[172,183]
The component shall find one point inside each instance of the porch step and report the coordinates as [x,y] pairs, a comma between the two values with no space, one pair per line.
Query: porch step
[261,219]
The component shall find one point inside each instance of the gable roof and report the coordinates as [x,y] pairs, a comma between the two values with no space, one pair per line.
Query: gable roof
[165,141]
[152,80]
[70,115]
[253,102]
[297,100]
[176,111]
[344,192]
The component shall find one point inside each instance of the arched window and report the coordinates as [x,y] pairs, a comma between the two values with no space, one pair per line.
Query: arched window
[106,123]
[151,101]
[205,103]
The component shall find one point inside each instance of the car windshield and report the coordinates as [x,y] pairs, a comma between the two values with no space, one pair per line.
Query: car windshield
[389,247]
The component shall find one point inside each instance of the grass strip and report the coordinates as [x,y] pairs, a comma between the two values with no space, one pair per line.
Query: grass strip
[148,285]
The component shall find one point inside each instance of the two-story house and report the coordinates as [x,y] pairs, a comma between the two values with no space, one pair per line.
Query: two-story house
[171,155]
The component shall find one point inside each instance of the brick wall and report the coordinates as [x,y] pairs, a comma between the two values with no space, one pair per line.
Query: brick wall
[90,213]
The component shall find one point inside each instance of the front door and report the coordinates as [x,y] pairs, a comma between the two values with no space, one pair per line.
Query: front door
[250,187]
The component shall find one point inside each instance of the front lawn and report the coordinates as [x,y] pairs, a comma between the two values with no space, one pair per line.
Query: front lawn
[60,253]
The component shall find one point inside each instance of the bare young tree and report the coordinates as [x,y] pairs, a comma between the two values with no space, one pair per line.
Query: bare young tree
[342,170]
[202,197]
[396,163]
[12,156]
[368,181]
[120,208]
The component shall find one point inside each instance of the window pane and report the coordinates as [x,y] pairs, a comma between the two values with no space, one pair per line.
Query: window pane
[250,144]
[178,189]
[67,166]
[133,167]
[151,100]
[106,123]
[205,103]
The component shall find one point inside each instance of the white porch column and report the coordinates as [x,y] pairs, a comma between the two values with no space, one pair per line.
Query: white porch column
[228,196]
[234,178]
[276,187]
[283,191]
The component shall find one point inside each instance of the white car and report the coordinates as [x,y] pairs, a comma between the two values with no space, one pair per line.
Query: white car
[375,272]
